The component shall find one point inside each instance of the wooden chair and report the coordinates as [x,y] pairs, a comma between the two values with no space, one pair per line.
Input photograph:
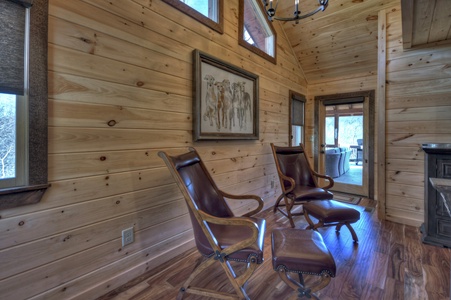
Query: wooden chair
[297,179]
[220,236]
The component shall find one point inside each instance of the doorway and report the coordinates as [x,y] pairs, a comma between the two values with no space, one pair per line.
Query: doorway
[344,141]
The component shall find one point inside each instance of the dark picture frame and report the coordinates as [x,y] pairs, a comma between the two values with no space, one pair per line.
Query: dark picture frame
[225,103]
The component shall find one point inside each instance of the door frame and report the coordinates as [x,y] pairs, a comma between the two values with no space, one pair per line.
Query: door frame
[369,97]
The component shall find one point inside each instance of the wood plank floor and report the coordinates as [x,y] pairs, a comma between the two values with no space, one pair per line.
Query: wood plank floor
[389,262]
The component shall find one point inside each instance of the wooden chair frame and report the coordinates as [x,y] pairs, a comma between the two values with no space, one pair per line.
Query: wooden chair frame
[220,254]
[289,201]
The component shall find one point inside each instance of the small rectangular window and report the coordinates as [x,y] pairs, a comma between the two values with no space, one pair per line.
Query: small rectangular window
[12,143]
[297,112]
[208,12]
[23,101]
[8,134]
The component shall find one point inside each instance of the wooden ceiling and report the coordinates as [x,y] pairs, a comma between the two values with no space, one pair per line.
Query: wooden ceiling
[425,22]
[341,42]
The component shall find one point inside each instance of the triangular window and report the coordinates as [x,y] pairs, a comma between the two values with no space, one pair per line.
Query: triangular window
[255,31]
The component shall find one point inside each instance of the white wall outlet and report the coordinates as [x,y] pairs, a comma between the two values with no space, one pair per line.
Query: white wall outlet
[127,236]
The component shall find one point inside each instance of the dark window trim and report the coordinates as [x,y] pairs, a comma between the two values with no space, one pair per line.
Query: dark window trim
[301,98]
[188,10]
[37,114]
[250,47]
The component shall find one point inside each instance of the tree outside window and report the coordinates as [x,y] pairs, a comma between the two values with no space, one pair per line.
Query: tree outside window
[8,134]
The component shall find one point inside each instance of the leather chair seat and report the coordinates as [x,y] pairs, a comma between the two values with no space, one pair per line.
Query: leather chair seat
[228,235]
[301,251]
[308,193]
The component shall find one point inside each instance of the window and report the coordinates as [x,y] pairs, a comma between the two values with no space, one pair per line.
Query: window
[255,31]
[12,144]
[344,124]
[297,118]
[208,12]
[23,101]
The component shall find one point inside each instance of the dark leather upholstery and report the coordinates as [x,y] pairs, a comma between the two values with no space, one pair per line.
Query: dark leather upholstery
[332,211]
[205,194]
[301,251]
[308,193]
[219,235]
[293,163]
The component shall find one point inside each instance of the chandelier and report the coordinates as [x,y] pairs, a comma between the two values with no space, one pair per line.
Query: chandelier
[271,10]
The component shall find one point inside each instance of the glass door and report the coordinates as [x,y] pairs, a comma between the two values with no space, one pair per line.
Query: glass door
[342,135]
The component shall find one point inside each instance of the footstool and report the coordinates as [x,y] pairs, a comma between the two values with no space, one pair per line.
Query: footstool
[331,213]
[302,252]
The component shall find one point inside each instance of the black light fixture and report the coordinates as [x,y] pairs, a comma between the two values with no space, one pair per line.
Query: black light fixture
[271,10]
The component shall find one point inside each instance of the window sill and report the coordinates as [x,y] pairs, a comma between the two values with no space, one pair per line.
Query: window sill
[14,197]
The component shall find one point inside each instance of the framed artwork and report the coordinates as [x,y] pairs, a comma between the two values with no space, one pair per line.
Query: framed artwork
[225,100]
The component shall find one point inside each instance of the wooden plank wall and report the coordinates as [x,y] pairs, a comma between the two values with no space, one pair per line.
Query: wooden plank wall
[418,110]
[338,50]
[120,82]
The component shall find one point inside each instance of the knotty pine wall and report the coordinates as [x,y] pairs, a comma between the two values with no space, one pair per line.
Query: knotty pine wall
[418,110]
[120,90]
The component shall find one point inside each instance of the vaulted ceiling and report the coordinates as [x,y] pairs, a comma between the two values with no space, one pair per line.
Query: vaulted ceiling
[341,42]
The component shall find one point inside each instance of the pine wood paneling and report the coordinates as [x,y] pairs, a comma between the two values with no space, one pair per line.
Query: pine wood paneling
[418,111]
[120,90]
[425,21]
[339,42]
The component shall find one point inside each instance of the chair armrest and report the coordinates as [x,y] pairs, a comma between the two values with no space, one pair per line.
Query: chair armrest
[246,197]
[232,221]
[290,180]
[328,178]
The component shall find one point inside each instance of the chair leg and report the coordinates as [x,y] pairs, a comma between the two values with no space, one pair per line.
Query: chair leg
[309,221]
[277,202]
[238,283]
[289,205]
[198,269]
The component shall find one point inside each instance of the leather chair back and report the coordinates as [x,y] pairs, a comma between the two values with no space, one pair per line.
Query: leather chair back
[293,163]
[203,193]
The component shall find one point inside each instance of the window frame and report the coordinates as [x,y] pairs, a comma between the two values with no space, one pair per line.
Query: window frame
[21,149]
[248,46]
[37,138]
[188,10]
[294,96]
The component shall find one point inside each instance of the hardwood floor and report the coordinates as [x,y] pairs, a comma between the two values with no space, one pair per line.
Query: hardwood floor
[389,262]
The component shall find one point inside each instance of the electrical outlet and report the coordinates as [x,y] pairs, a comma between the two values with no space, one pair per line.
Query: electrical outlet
[272,184]
[127,236]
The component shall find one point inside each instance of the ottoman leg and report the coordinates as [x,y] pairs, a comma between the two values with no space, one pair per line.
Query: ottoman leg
[300,288]
[312,224]
[351,230]
[354,235]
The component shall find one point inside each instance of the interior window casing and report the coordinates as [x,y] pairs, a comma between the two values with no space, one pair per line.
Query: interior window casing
[35,129]
[297,118]
[215,9]
[255,31]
